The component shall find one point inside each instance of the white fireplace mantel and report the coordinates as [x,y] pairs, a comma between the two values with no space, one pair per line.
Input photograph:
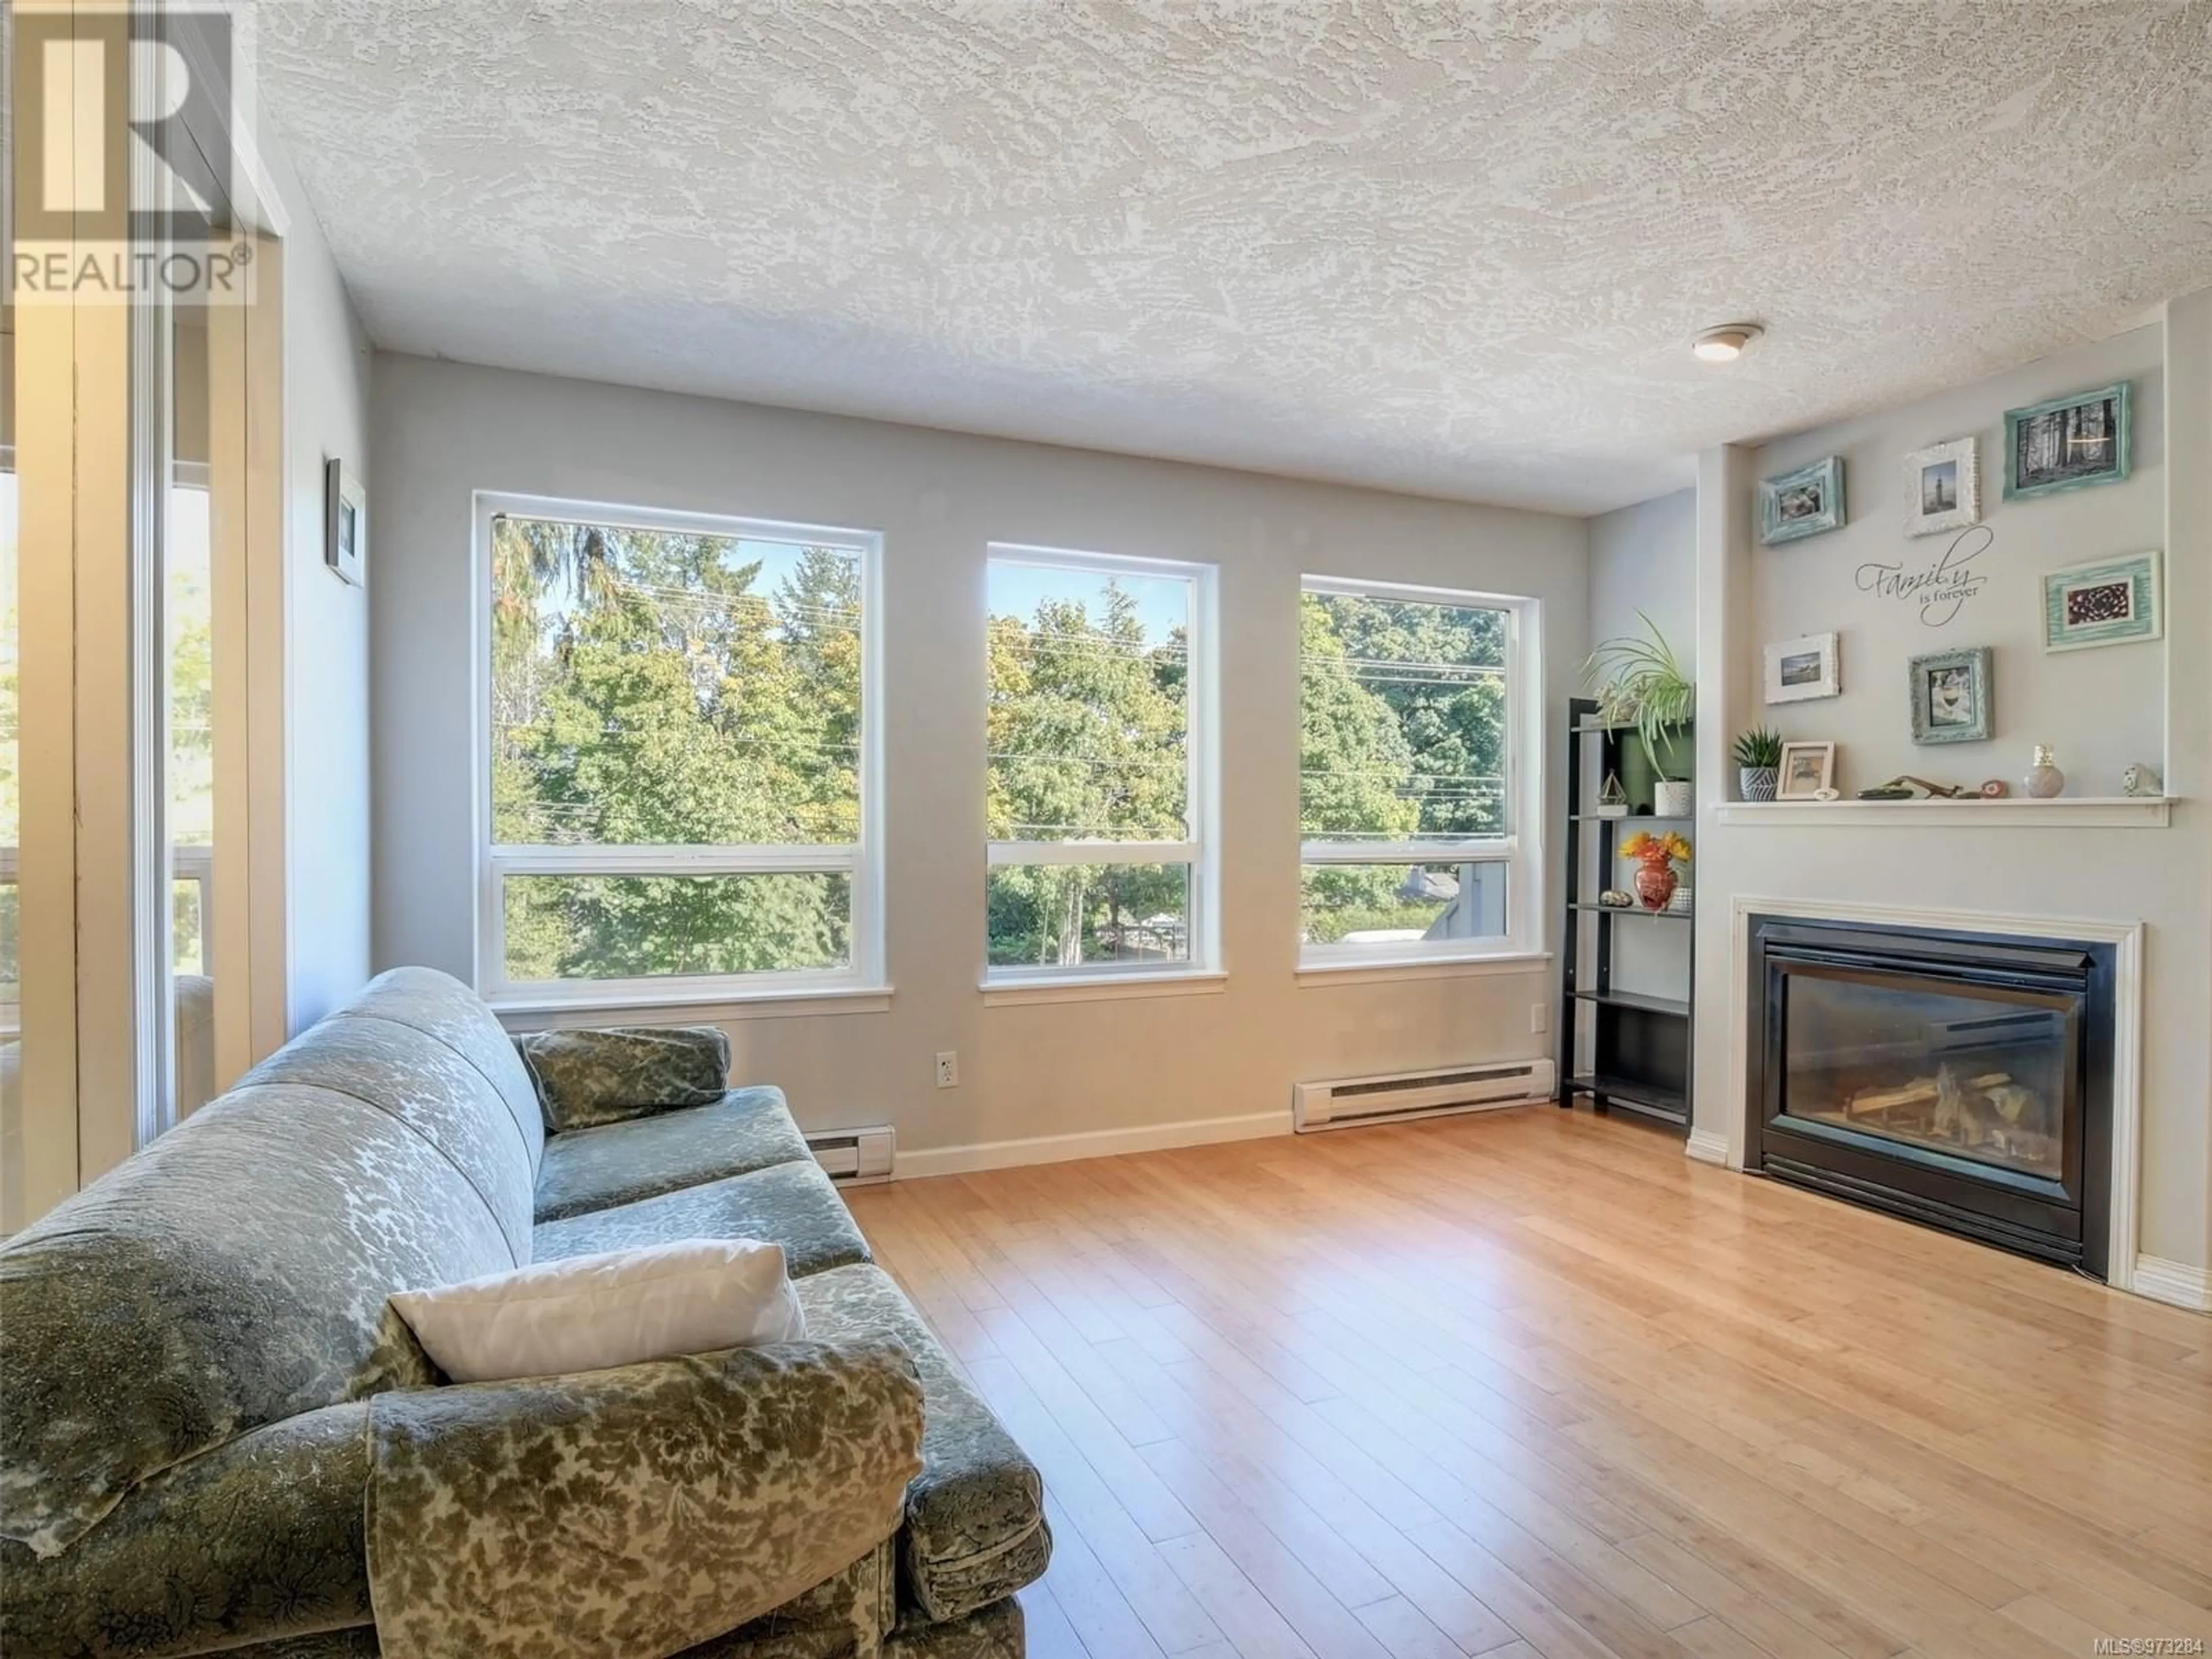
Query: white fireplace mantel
[2012,812]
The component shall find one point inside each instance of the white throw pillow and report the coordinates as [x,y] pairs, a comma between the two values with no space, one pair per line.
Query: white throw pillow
[588,1312]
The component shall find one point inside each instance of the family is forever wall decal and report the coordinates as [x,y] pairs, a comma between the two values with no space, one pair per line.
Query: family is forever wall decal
[1939,590]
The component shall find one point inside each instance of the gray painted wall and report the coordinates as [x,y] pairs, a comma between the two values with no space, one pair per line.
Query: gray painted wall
[442,431]
[327,363]
[1644,559]
[2100,709]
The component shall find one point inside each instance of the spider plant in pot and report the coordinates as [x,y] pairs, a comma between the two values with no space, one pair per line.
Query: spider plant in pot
[1758,764]
[1640,684]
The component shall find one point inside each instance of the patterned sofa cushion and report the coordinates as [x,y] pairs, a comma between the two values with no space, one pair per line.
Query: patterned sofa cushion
[610,1072]
[356,1642]
[635,1510]
[793,1204]
[974,1530]
[442,1008]
[232,1274]
[428,1086]
[746,1129]
[848,1614]
[259,1541]
[997,1631]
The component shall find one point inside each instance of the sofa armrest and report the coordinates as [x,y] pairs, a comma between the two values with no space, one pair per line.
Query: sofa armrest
[606,1074]
[254,1541]
[524,1516]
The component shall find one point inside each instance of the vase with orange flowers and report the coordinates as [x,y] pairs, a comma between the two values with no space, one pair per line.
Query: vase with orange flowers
[1656,858]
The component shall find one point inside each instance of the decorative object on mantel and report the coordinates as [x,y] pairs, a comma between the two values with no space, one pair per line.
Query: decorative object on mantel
[1797,670]
[2043,779]
[1950,693]
[1612,799]
[1905,787]
[1806,769]
[1758,757]
[1640,683]
[1808,501]
[1655,857]
[2110,602]
[1995,789]
[2140,783]
[1614,898]
[2067,443]
[1827,794]
[1942,488]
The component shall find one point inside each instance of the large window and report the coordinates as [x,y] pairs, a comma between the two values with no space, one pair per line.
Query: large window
[1100,767]
[678,776]
[1416,807]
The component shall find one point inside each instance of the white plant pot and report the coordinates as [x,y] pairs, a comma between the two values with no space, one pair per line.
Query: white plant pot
[1673,800]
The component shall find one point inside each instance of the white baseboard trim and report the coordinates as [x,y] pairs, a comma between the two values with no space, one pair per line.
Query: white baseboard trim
[2175,1282]
[1708,1146]
[1096,1143]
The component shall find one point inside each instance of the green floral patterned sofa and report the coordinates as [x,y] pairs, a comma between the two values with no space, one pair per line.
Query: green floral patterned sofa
[195,1351]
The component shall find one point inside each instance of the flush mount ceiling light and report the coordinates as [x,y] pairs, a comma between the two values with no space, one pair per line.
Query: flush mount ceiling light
[1726,343]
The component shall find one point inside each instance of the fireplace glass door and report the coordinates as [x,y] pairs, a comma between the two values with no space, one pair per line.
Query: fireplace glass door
[1961,1080]
[1976,1073]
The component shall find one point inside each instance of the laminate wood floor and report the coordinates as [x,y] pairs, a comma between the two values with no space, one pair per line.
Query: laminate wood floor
[1533,1382]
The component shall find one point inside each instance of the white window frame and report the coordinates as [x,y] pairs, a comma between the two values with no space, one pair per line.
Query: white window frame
[1199,852]
[1520,850]
[861,863]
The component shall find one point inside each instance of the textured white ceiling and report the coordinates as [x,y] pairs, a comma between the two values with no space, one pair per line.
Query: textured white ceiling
[1457,249]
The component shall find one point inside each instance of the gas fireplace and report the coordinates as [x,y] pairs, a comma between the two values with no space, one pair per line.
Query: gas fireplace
[1962,1080]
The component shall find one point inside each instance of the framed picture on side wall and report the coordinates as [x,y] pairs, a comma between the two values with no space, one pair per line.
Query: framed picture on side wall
[1808,501]
[345,526]
[1797,670]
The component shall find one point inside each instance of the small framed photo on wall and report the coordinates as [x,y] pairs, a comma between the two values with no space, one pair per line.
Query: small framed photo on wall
[2112,602]
[1799,670]
[1807,771]
[1808,501]
[2069,443]
[1942,488]
[1950,696]
[345,526]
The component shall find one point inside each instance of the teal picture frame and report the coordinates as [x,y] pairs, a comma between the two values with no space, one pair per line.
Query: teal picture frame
[2107,602]
[2038,437]
[1950,692]
[1808,501]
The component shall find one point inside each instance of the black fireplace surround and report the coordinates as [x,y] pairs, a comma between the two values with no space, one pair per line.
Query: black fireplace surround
[1961,1080]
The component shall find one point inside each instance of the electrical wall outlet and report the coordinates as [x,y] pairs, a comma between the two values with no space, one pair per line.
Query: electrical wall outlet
[1540,1018]
[948,1069]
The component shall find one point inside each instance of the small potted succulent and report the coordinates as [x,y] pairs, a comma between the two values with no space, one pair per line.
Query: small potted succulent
[1758,764]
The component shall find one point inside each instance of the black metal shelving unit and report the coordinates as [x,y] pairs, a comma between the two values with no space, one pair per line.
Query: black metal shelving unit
[1639,1040]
